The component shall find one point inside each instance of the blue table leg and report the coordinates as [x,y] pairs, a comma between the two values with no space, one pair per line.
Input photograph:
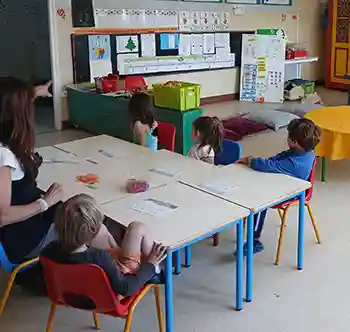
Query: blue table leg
[249,262]
[169,309]
[177,262]
[239,266]
[188,256]
[301,231]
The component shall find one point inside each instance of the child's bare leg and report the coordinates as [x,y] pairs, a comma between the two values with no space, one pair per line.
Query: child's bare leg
[104,239]
[137,240]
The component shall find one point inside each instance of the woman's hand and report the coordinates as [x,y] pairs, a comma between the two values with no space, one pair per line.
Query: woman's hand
[54,194]
[43,90]
[158,254]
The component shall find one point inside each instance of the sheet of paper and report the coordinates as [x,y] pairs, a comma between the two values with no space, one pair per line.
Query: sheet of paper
[167,170]
[127,44]
[185,45]
[216,21]
[100,68]
[197,44]
[195,21]
[148,45]
[205,21]
[154,207]
[185,21]
[208,43]
[124,66]
[99,48]
[218,187]
[222,40]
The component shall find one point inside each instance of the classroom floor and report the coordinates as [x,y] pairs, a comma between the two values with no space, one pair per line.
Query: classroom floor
[285,300]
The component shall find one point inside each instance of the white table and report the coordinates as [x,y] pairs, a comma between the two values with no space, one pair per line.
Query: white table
[193,219]
[113,175]
[256,191]
[103,148]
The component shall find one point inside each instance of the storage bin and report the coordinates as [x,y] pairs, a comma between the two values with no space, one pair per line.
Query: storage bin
[182,97]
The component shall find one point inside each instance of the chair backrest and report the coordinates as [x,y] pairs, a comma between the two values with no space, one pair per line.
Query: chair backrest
[135,83]
[308,194]
[4,261]
[82,286]
[230,153]
[166,135]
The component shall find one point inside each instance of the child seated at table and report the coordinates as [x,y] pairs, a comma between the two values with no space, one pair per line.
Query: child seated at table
[207,133]
[297,161]
[144,125]
[78,224]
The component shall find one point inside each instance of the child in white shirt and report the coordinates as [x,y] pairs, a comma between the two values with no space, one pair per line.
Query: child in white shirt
[207,132]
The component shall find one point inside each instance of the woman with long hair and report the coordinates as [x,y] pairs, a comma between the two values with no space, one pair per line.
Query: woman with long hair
[26,213]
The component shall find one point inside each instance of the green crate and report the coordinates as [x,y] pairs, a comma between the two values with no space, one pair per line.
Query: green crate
[182,98]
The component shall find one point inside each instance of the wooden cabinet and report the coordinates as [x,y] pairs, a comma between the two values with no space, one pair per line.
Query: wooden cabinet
[338,44]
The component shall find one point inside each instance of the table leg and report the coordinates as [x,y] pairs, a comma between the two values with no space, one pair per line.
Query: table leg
[177,256]
[324,169]
[169,308]
[239,266]
[188,256]
[249,261]
[300,262]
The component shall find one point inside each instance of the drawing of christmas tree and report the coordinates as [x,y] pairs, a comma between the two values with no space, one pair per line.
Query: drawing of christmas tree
[130,45]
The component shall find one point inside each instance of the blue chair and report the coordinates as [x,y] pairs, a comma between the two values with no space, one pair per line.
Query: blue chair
[230,153]
[12,270]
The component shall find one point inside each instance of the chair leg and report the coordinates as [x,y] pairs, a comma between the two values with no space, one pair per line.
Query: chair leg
[216,240]
[128,322]
[96,321]
[245,225]
[159,309]
[51,318]
[283,215]
[7,291]
[318,237]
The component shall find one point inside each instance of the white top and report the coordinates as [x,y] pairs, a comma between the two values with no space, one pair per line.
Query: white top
[8,159]
[244,186]
[205,153]
[188,213]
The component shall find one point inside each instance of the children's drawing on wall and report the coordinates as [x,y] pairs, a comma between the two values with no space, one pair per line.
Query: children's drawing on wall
[99,48]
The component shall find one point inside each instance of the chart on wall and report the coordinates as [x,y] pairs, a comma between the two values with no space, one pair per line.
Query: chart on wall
[174,52]
[99,55]
[262,68]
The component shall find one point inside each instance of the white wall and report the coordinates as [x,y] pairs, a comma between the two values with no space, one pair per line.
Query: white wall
[214,83]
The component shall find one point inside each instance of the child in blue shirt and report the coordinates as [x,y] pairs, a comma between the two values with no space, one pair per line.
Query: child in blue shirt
[144,125]
[297,161]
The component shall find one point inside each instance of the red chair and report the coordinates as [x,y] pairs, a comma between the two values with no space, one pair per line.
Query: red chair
[166,135]
[284,208]
[135,83]
[87,287]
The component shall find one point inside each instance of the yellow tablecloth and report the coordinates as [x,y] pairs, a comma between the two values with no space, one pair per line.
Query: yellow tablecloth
[335,125]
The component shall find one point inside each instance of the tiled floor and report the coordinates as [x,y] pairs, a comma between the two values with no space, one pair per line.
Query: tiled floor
[285,300]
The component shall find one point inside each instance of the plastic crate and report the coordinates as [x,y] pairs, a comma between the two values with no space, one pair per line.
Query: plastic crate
[182,98]
[306,85]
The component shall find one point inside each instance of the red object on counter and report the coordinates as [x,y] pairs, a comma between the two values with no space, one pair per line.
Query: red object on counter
[135,83]
[107,83]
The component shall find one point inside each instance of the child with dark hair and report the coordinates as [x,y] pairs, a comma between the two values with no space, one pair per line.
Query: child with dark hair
[144,125]
[297,161]
[80,231]
[208,134]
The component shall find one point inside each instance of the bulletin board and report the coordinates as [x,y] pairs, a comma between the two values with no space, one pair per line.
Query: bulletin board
[158,53]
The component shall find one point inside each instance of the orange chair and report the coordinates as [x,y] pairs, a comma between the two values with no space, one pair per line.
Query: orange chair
[87,287]
[11,269]
[166,135]
[284,208]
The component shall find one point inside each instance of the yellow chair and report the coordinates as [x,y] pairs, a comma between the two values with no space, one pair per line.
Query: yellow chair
[12,270]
